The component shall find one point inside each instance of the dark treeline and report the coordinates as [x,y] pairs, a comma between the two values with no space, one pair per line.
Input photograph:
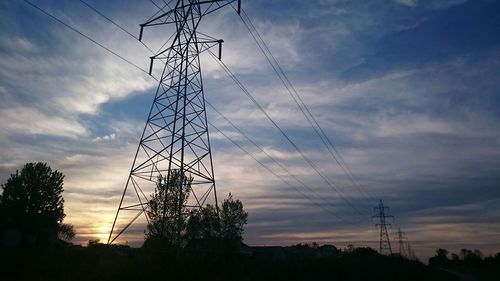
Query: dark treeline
[471,262]
[111,262]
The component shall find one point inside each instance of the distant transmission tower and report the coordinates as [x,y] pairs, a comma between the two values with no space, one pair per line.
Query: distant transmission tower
[381,213]
[401,241]
[410,251]
[175,137]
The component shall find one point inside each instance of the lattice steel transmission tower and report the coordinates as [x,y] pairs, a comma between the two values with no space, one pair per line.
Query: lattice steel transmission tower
[381,213]
[401,242]
[410,252]
[175,136]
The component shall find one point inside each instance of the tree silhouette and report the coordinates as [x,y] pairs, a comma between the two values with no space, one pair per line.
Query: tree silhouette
[203,223]
[442,253]
[171,224]
[66,231]
[206,223]
[32,202]
[167,212]
[233,218]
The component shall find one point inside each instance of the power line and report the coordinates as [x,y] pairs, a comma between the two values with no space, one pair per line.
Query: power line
[277,175]
[300,103]
[324,138]
[86,36]
[313,166]
[267,154]
[126,31]
[110,20]
[122,28]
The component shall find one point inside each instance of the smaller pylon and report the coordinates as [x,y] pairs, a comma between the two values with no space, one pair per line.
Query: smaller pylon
[401,241]
[411,253]
[381,213]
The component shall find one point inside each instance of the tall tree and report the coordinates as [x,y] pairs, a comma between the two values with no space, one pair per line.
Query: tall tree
[203,223]
[233,217]
[32,201]
[167,211]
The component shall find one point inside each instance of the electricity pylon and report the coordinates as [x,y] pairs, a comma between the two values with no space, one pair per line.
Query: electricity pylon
[381,213]
[410,251]
[175,136]
[401,241]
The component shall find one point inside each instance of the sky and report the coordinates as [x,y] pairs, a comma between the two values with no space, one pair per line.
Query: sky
[407,90]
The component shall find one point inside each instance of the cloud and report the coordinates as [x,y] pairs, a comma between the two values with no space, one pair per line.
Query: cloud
[409,3]
[27,120]
[444,4]
[106,137]
[17,43]
[282,39]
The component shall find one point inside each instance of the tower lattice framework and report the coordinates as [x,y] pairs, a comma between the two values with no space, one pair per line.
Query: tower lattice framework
[175,136]
[382,213]
[401,242]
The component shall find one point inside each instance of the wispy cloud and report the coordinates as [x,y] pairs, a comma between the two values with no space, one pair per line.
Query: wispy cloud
[409,3]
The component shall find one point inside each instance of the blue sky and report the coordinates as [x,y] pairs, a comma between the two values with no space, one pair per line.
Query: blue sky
[406,89]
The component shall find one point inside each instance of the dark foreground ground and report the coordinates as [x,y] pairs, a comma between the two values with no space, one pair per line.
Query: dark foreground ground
[105,263]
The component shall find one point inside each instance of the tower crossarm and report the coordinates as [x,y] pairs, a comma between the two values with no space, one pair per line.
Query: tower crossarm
[203,46]
[168,17]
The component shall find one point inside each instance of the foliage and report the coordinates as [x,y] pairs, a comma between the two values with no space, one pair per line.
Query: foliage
[167,213]
[32,201]
[171,224]
[364,251]
[471,262]
[349,248]
[227,224]
[471,256]
[108,262]
[203,223]
[233,218]
[93,242]
[442,253]
[66,231]
[465,256]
